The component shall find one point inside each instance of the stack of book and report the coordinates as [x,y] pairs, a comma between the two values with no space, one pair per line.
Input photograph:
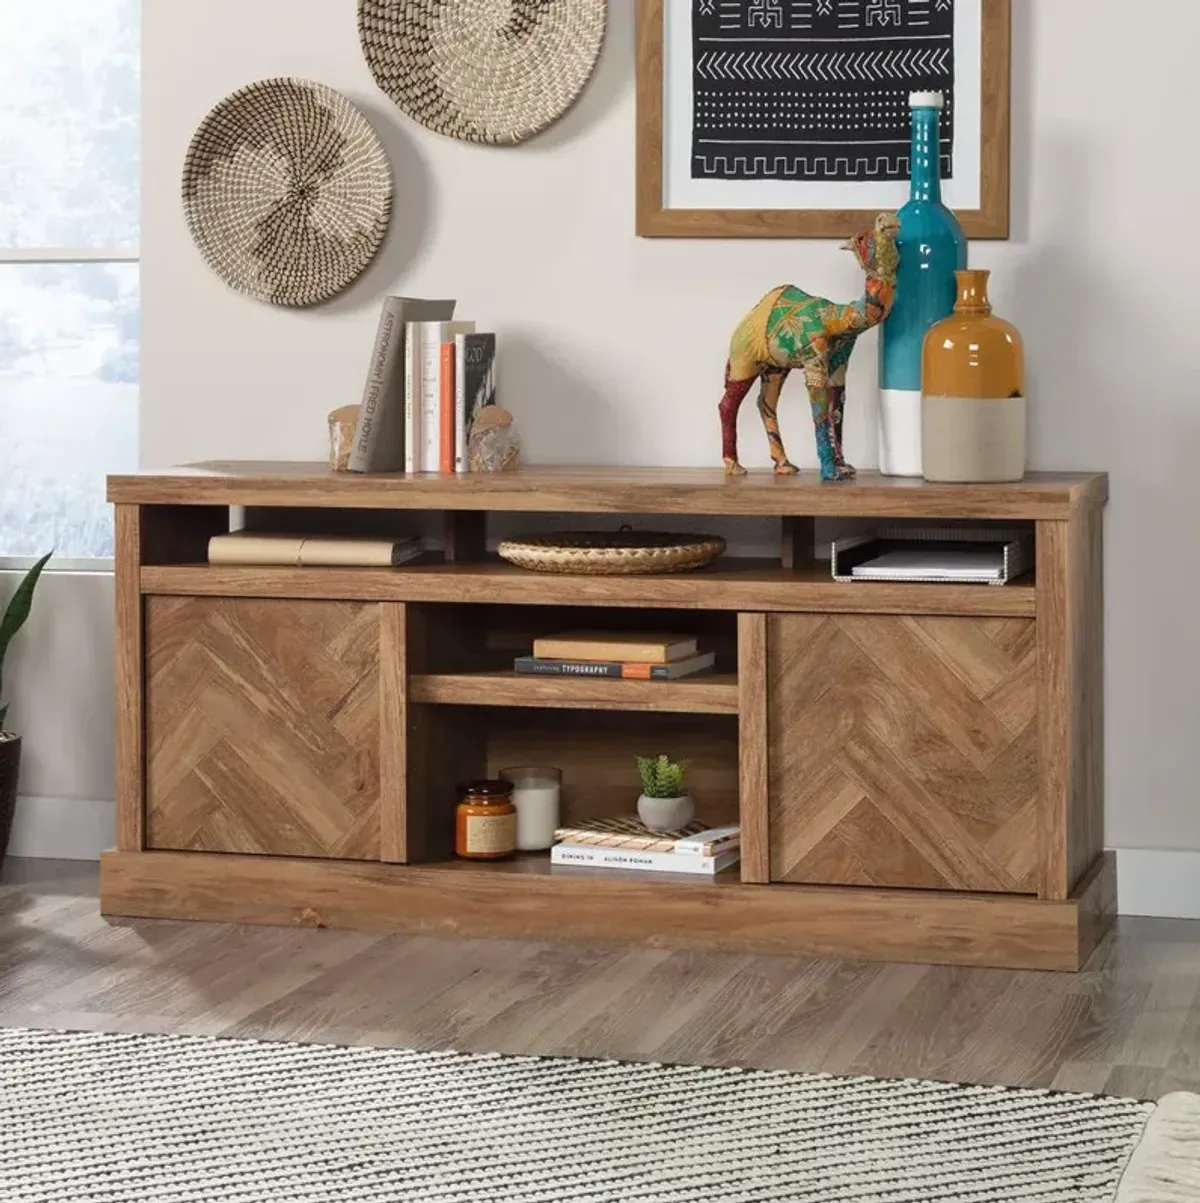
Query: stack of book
[429,377]
[625,843]
[636,656]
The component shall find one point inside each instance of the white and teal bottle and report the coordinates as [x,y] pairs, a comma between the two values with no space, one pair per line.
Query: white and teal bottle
[932,248]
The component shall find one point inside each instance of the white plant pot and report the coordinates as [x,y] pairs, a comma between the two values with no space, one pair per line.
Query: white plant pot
[666,814]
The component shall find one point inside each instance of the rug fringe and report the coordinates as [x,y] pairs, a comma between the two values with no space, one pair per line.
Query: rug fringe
[1165,1165]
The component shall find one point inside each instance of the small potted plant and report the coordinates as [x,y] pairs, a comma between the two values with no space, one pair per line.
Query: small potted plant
[665,804]
[14,618]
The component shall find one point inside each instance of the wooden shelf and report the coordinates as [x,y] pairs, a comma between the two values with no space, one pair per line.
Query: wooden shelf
[1041,495]
[715,693]
[537,864]
[732,584]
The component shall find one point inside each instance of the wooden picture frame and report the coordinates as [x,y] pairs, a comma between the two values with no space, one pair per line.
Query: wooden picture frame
[656,220]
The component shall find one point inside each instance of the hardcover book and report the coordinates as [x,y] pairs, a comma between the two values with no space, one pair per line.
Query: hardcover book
[586,856]
[301,551]
[446,434]
[629,670]
[378,444]
[474,387]
[628,831]
[423,361]
[616,645]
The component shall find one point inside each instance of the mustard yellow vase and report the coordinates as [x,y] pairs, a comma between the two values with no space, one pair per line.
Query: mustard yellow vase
[973,392]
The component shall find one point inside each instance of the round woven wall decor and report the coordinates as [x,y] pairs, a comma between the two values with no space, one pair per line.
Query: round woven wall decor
[287,191]
[604,553]
[495,71]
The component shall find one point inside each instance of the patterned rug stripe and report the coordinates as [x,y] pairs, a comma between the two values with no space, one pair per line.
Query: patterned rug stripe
[87,1117]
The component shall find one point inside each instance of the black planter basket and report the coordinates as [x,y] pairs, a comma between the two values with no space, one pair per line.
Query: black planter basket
[10,770]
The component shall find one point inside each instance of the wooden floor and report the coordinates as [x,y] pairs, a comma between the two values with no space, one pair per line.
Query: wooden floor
[1129,1024]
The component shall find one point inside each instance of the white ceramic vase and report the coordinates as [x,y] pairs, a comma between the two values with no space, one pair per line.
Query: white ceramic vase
[666,814]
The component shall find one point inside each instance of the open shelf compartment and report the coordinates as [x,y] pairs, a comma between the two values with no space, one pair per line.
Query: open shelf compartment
[463,655]
[594,751]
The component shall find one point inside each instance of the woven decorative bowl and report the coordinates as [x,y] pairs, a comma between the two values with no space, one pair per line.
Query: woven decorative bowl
[495,71]
[619,553]
[287,191]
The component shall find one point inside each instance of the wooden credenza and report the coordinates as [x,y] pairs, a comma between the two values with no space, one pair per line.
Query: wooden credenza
[917,768]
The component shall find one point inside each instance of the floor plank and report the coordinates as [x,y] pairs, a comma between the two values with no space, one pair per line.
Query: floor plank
[1128,1024]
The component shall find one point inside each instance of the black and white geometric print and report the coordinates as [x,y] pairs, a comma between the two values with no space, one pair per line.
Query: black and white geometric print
[816,90]
[177,1119]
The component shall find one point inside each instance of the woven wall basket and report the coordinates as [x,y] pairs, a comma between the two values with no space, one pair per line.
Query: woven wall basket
[494,71]
[287,191]
[621,553]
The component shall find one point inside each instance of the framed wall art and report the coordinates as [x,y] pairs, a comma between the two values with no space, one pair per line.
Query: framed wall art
[789,118]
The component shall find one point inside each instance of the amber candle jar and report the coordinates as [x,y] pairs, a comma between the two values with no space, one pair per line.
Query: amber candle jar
[485,826]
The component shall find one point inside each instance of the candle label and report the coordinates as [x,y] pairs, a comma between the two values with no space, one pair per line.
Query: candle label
[490,833]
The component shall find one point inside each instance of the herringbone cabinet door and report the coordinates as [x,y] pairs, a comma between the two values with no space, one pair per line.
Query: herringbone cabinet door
[262,726]
[903,751]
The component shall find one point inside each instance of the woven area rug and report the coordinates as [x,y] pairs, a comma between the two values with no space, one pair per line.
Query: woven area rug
[175,1119]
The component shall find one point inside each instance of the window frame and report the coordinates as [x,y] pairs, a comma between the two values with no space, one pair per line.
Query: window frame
[68,254]
[33,255]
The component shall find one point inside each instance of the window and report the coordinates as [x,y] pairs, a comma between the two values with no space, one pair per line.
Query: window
[68,270]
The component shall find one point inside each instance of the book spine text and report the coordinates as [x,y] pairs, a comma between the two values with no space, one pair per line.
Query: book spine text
[625,858]
[382,382]
[446,432]
[431,360]
[591,668]
[412,398]
[460,403]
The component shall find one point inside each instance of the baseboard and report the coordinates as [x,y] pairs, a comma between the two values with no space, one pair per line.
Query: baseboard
[1160,883]
[62,828]
[1149,882]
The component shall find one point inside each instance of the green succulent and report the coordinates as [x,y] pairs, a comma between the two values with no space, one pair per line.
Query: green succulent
[15,614]
[662,778]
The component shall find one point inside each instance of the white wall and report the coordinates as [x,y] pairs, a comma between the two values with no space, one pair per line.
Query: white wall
[613,346]
[61,667]
[59,683]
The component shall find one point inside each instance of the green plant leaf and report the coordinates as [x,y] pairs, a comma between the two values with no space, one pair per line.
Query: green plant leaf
[15,614]
[661,776]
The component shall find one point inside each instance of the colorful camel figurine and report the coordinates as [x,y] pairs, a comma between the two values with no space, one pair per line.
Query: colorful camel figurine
[790,329]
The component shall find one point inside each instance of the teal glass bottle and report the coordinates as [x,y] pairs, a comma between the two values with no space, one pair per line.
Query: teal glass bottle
[932,248]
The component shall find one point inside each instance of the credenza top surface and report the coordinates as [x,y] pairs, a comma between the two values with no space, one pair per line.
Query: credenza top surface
[1044,495]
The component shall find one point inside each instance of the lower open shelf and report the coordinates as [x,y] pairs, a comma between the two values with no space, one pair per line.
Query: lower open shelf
[594,748]
[537,864]
[465,898]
